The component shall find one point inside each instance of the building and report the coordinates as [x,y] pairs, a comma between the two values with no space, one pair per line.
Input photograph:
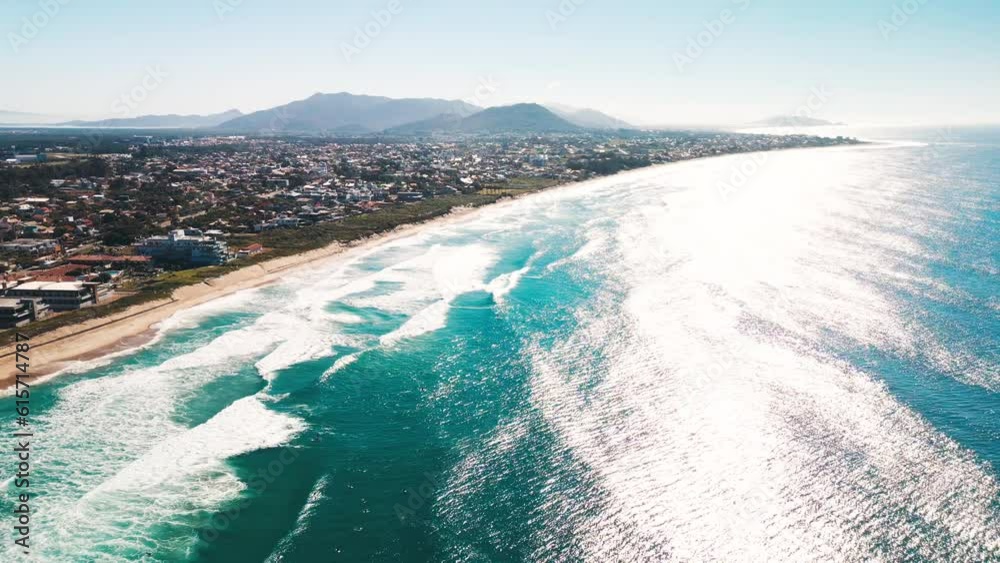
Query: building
[63,273]
[191,172]
[26,158]
[410,196]
[185,247]
[252,250]
[16,312]
[32,247]
[60,296]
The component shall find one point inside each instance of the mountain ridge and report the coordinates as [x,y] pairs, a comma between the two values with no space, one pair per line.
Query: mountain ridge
[164,121]
[588,118]
[332,112]
[516,118]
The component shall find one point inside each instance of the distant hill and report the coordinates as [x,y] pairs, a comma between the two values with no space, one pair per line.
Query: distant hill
[171,121]
[518,118]
[523,118]
[588,118]
[445,122]
[793,121]
[345,112]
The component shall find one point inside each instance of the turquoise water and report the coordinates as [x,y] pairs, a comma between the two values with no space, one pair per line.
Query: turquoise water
[791,357]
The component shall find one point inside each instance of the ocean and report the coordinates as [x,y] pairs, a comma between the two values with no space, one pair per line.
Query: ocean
[789,356]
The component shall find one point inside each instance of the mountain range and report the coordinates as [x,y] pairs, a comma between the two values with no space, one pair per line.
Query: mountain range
[588,118]
[169,121]
[350,113]
[346,113]
[518,118]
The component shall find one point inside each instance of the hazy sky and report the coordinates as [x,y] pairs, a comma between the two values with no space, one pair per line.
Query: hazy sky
[648,61]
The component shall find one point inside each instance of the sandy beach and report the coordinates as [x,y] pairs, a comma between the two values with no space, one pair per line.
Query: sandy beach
[53,351]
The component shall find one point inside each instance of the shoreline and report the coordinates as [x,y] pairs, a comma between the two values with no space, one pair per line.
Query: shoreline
[54,351]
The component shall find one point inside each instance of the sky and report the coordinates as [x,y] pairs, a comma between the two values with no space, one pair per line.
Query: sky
[652,62]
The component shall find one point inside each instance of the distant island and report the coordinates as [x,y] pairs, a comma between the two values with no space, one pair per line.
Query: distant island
[794,121]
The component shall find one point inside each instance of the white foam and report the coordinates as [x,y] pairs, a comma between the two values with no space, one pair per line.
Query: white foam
[502,285]
[131,479]
[244,426]
[340,364]
[302,522]
[429,319]
[453,271]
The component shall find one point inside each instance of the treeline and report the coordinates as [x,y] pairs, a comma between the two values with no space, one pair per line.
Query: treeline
[23,181]
[608,164]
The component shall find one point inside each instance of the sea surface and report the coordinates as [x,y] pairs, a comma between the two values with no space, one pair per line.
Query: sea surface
[792,356]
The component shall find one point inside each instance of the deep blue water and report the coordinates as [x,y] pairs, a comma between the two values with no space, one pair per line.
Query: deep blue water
[794,357]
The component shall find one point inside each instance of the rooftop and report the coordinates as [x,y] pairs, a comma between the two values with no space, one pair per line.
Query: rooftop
[50,286]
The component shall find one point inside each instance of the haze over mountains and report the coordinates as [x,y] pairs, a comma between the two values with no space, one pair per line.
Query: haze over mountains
[588,118]
[793,121]
[20,118]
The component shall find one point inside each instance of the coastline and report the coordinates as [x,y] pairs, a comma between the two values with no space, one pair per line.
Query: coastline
[54,351]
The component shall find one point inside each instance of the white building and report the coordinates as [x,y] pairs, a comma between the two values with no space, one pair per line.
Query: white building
[59,296]
[187,247]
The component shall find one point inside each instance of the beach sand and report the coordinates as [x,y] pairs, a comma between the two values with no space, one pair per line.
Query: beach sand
[53,351]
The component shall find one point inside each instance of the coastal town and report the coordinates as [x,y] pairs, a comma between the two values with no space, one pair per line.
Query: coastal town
[88,222]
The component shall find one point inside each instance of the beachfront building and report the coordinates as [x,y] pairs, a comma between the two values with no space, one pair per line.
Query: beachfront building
[185,247]
[60,296]
[252,250]
[16,312]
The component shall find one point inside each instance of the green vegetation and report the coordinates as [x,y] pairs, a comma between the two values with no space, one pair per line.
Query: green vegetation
[34,179]
[608,164]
